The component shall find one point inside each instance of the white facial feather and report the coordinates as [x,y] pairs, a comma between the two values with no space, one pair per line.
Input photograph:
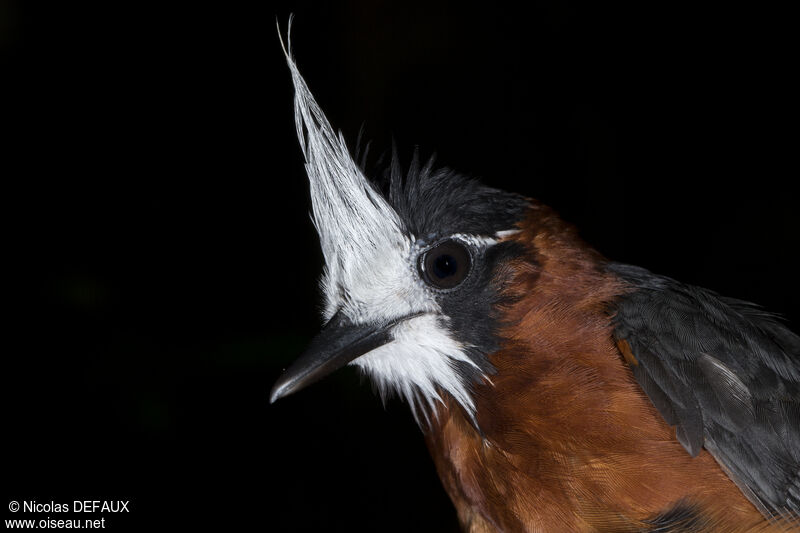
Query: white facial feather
[370,268]
[419,360]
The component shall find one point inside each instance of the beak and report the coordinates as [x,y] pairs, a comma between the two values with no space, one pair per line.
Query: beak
[337,344]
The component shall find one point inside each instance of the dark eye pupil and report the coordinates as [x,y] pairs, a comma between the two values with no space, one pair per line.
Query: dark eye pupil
[445,265]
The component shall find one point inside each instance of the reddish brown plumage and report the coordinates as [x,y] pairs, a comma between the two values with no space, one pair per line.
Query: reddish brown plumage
[571,441]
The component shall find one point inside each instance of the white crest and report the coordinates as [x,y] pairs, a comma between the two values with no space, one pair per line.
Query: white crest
[370,270]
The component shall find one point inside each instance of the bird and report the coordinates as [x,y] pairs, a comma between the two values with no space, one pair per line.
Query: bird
[557,390]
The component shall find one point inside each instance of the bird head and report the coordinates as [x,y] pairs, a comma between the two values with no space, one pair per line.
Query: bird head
[413,274]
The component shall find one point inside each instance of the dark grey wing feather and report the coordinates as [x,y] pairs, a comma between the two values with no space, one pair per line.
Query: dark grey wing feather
[725,373]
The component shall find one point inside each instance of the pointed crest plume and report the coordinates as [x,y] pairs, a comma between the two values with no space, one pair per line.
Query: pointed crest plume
[350,216]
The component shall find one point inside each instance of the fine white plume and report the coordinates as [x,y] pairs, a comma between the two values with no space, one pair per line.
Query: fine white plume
[353,220]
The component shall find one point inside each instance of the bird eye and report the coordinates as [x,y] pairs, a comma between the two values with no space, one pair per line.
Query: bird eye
[445,265]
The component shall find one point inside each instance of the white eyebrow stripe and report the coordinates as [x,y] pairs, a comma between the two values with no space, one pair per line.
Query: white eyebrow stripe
[483,241]
[507,233]
[474,240]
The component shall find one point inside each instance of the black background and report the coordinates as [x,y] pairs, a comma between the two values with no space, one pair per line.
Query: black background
[163,266]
